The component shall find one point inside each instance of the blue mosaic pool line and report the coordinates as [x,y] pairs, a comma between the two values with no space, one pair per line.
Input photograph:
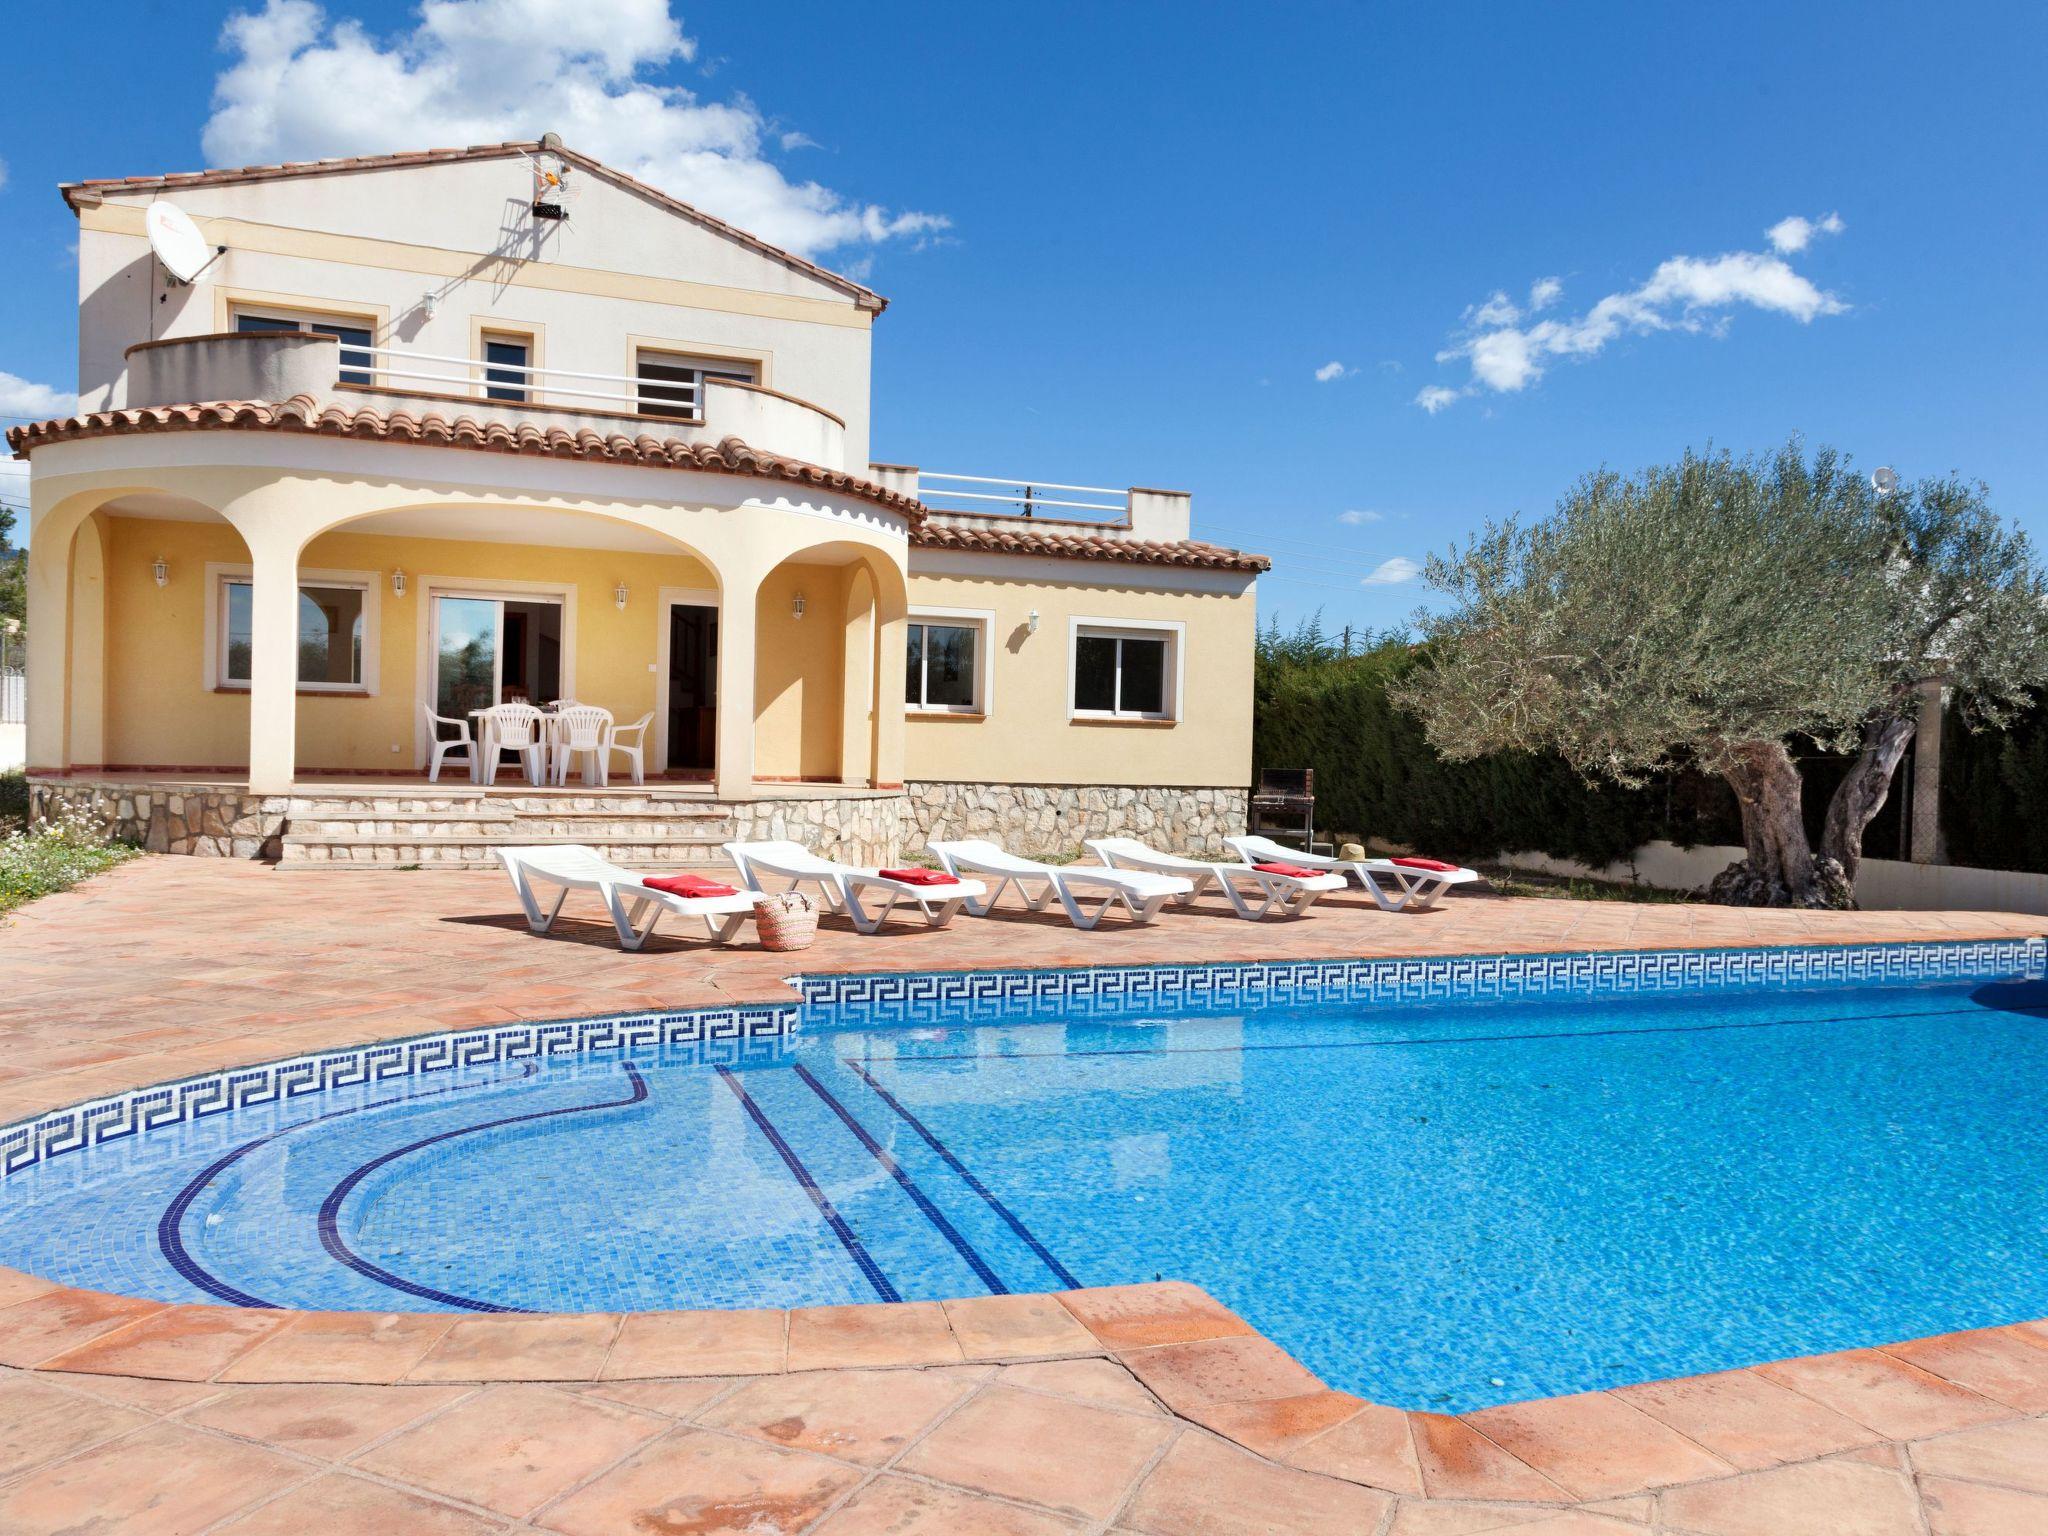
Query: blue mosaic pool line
[879,998]
[718,1035]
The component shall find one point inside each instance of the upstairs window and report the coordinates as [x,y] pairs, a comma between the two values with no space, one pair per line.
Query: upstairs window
[672,383]
[356,363]
[506,359]
[1125,672]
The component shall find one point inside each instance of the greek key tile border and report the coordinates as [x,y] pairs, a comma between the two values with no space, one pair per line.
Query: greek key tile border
[717,1036]
[957,996]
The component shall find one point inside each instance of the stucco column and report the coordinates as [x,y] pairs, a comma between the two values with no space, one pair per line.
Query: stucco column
[857,681]
[1927,842]
[734,773]
[273,666]
[49,653]
[892,635]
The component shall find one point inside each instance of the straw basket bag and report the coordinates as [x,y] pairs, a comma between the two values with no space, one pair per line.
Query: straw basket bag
[788,921]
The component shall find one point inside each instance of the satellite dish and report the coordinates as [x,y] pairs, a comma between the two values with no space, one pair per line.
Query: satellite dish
[176,240]
[1885,480]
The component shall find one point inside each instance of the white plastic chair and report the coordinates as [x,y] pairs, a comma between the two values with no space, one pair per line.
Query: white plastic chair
[1412,889]
[635,751]
[513,728]
[635,907]
[581,730]
[461,747]
[1287,895]
[842,884]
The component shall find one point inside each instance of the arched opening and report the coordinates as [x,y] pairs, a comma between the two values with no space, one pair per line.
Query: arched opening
[826,702]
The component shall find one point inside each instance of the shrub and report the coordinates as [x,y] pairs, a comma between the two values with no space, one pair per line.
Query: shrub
[54,857]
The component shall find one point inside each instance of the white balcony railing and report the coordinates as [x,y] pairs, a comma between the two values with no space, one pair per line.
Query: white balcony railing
[1025,497]
[521,384]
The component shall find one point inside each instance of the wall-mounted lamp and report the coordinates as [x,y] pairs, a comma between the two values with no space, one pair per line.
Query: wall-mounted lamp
[1031,622]
[430,304]
[162,571]
[398,583]
[619,596]
[796,607]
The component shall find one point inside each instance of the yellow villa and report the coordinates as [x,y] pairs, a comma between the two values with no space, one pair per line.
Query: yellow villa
[367,447]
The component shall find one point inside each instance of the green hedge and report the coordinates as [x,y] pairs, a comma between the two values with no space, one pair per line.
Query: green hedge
[1994,792]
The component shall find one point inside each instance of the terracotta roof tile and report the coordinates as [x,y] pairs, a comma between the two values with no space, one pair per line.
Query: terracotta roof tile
[302,413]
[175,180]
[1021,539]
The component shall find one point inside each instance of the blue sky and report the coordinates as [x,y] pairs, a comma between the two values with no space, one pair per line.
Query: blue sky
[1122,241]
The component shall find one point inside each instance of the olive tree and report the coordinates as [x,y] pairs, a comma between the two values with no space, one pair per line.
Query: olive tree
[1711,611]
[1968,612]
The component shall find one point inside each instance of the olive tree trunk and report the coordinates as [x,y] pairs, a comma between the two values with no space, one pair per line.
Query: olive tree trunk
[1862,794]
[1781,869]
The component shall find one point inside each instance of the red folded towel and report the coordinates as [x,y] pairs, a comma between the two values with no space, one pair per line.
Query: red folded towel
[920,876]
[1438,865]
[691,886]
[1294,871]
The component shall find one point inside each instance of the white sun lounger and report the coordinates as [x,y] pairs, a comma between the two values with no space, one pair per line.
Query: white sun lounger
[1141,894]
[1288,895]
[626,895]
[1413,890]
[842,884]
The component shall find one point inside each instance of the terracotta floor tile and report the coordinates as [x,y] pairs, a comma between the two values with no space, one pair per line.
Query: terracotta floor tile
[863,1416]
[1457,1462]
[1898,1400]
[739,1343]
[161,1481]
[897,1506]
[186,1343]
[1016,1327]
[1239,1370]
[1275,1426]
[1138,1316]
[1460,1519]
[142,1392]
[59,1321]
[907,1333]
[1596,1446]
[1824,1498]
[512,1448]
[2013,1454]
[340,1505]
[1748,1420]
[566,1348]
[40,1422]
[342,1346]
[1206,1487]
[695,1483]
[675,1399]
[1067,1456]
[16,1286]
[1972,1509]
[1103,1382]
[325,1421]
[1999,1363]
[1376,1446]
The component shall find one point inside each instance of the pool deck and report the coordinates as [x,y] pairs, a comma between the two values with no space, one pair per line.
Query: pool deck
[1147,1408]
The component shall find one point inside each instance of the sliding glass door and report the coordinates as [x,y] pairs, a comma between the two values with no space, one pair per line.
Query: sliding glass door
[493,650]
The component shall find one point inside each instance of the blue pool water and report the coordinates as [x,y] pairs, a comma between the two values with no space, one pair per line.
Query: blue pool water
[1437,1205]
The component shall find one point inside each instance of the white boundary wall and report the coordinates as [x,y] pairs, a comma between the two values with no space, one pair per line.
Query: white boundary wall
[1884,885]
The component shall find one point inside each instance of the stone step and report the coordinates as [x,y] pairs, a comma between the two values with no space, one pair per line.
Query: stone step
[446,850]
[571,826]
[476,804]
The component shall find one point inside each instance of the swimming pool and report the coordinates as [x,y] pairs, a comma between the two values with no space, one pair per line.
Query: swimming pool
[1440,1184]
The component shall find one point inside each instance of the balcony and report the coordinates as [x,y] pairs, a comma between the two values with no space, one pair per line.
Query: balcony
[277,365]
[1052,507]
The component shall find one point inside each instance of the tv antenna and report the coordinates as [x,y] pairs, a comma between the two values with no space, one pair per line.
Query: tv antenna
[177,242]
[554,187]
[1885,480]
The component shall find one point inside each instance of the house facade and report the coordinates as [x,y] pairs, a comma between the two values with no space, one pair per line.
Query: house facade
[426,432]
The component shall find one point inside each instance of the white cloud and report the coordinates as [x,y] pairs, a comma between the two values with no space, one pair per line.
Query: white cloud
[1357,515]
[1790,236]
[1333,370]
[3,175]
[302,86]
[1685,293]
[20,397]
[1391,573]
